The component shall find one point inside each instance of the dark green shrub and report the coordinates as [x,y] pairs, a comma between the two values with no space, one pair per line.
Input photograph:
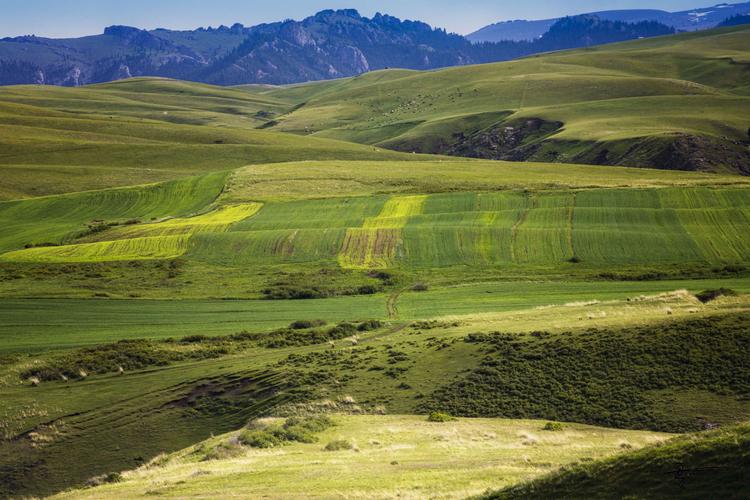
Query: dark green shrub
[294,429]
[267,438]
[707,296]
[339,445]
[602,377]
[553,426]
[370,325]
[305,324]
[194,339]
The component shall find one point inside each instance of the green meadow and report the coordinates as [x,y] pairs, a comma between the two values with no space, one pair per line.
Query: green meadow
[185,267]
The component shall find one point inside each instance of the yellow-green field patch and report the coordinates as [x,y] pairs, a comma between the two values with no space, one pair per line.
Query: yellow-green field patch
[158,247]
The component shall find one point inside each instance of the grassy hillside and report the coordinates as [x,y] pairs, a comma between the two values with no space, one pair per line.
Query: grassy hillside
[678,102]
[175,392]
[712,464]
[57,140]
[402,456]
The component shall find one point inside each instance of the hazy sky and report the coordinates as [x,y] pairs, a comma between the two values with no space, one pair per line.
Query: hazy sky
[63,18]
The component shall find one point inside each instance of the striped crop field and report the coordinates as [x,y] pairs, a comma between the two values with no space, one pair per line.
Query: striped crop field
[158,247]
[214,221]
[600,227]
[58,219]
[164,240]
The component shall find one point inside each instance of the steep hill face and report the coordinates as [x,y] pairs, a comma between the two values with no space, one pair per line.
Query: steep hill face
[689,20]
[330,44]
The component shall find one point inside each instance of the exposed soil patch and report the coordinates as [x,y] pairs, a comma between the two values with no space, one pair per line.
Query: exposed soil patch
[515,140]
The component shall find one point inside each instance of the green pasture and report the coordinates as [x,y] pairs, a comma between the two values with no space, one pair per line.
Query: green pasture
[59,140]
[40,324]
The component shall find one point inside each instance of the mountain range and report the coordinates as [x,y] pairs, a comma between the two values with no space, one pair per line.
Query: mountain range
[688,20]
[330,44]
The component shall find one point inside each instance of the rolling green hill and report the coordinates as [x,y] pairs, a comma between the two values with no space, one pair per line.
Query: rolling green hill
[678,102]
[695,466]
[57,140]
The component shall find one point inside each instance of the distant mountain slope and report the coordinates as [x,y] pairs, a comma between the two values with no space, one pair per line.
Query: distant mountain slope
[737,20]
[330,44]
[677,102]
[689,20]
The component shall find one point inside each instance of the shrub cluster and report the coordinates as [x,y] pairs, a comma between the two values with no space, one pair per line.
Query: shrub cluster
[305,324]
[553,426]
[302,292]
[707,296]
[127,355]
[109,358]
[112,477]
[602,377]
[294,429]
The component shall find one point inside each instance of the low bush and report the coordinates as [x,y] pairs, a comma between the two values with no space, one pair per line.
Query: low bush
[370,325]
[707,296]
[306,324]
[223,451]
[112,477]
[293,338]
[553,426]
[294,429]
[266,438]
[127,355]
[339,445]
[437,416]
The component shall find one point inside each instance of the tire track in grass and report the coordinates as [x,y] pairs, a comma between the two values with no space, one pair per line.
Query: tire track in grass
[529,202]
[571,211]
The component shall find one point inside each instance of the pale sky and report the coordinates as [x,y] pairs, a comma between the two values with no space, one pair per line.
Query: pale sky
[72,18]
